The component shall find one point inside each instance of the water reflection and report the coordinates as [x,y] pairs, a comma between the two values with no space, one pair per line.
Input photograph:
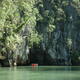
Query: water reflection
[40,73]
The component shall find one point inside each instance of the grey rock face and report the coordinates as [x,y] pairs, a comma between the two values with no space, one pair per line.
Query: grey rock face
[63,42]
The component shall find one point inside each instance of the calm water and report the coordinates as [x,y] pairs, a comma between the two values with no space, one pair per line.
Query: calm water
[40,73]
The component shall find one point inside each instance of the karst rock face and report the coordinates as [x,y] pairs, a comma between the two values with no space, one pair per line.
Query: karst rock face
[22,50]
[62,45]
[46,32]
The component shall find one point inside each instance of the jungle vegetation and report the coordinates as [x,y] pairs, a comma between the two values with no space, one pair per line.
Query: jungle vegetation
[52,26]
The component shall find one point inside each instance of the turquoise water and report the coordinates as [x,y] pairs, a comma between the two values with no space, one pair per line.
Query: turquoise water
[40,73]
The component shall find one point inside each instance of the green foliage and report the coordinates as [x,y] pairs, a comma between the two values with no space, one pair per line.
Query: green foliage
[13,41]
[34,38]
[40,17]
[14,15]
[51,28]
